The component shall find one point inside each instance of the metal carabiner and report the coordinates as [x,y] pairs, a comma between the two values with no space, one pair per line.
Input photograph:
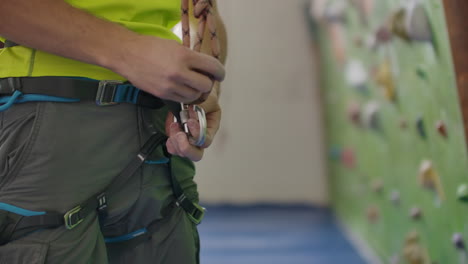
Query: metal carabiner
[184,117]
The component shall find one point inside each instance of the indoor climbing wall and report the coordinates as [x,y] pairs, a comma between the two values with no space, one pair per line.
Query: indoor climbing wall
[398,159]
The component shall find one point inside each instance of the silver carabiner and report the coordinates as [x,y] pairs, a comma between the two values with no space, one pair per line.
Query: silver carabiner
[184,117]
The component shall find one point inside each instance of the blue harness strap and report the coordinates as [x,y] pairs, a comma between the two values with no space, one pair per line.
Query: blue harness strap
[9,101]
[18,210]
[157,162]
[123,94]
[126,93]
[126,237]
[18,98]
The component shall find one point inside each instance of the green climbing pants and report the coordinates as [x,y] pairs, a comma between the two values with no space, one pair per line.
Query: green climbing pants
[54,156]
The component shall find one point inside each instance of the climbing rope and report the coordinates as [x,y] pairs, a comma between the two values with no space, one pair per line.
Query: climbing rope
[202,10]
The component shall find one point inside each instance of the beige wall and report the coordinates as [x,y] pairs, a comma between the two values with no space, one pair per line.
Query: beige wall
[270,146]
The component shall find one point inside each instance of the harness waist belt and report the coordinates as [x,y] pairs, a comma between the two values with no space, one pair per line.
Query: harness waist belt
[105,92]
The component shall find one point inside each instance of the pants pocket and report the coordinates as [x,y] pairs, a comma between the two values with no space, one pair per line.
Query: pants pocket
[23,253]
[16,135]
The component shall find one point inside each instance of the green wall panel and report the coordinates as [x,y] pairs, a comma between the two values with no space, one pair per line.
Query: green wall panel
[388,158]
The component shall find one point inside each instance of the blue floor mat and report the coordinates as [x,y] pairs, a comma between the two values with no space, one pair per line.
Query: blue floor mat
[273,235]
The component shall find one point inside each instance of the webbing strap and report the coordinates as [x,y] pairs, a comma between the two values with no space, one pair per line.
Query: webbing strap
[51,85]
[53,88]
[99,201]
[194,211]
[29,224]
[14,226]
[8,222]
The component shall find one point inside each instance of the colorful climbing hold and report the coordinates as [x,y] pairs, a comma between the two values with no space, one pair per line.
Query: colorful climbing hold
[356,74]
[395,197]
[383,35]
[418,25]
[384,77]
[421,72]
[413,251]
[354,113]
[462,192]
[397,24]
[334,153]
[429,179]
[458,241]
[377,186]
[441,128]
[371,115]
[416,213]
[348,158]
[411,23]
[421,127]
[373,214]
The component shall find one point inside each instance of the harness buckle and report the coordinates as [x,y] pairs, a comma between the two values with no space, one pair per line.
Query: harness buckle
[72,218]
[197,215]
[194,211]
[106,92]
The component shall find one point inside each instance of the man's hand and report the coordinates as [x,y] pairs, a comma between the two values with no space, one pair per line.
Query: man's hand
[178,143]
[169,70]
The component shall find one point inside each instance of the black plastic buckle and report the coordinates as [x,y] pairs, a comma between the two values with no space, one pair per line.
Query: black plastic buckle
[196,214]
[102,207]
[106,92]
[73,218]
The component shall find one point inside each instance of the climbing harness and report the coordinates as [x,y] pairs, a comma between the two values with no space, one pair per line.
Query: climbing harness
[17,222]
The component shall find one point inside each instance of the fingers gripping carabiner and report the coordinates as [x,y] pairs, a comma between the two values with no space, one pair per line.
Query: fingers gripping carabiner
[184,117]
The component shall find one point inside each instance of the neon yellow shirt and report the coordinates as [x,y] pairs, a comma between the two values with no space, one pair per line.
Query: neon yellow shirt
[149,17]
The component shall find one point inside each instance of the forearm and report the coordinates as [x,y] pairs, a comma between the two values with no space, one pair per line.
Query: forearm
[56,27]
